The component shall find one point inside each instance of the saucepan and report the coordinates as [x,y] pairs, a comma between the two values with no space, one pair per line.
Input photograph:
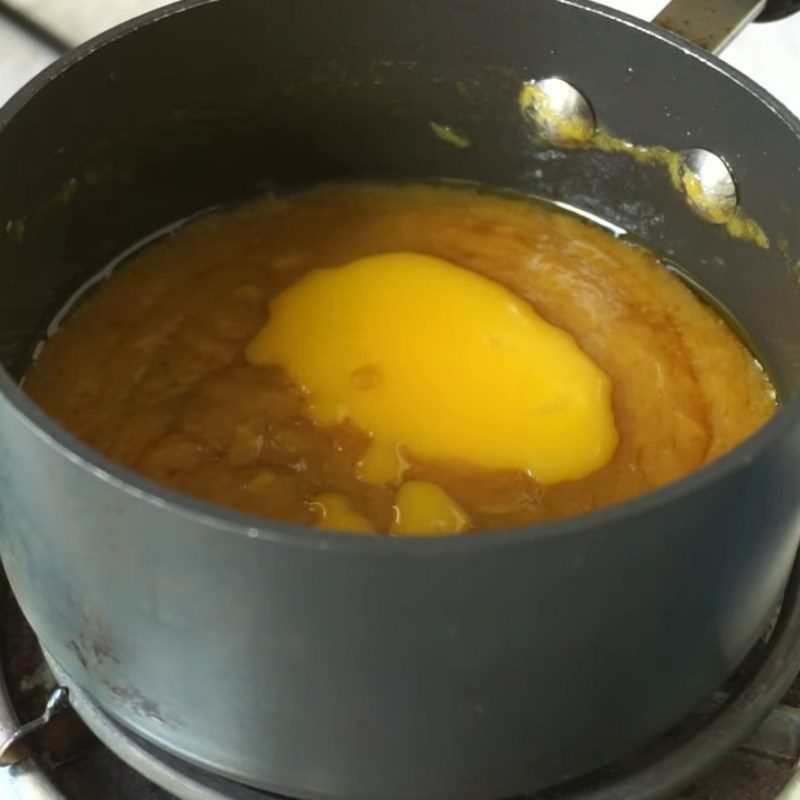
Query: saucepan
[318,664]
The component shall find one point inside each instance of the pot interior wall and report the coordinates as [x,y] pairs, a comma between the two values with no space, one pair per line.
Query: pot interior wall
[228,98]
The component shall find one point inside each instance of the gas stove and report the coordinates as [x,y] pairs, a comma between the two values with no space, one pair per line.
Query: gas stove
[55,744]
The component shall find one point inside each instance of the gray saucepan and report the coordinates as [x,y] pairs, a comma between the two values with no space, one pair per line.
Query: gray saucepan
[327,665]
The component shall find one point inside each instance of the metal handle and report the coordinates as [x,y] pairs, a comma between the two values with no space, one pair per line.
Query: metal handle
[711,24]
[714,24]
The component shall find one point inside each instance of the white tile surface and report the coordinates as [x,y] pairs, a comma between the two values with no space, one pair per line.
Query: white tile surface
[20,59]
[74,20]
[769,53]
[78,20]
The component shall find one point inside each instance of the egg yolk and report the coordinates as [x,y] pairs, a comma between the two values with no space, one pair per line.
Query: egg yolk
[334,513]
[422,508]
[435,361]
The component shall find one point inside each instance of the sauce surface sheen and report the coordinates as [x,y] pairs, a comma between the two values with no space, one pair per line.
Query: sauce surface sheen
[184,367]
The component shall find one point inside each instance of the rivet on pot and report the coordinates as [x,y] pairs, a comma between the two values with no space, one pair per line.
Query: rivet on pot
[558,112]
[708,185]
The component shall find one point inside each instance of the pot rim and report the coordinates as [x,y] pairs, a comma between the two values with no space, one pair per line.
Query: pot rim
[307,537]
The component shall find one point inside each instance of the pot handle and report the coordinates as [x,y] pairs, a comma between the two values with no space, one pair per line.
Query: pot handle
[714,24]
[778,9]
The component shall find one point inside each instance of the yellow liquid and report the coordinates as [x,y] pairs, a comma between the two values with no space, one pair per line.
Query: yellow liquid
[437,362]
[213,364]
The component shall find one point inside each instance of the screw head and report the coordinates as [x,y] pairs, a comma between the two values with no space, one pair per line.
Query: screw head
[559,114]
[709,185]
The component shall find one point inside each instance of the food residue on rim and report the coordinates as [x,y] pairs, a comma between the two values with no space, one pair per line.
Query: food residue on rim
[577,133]
[450,135]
